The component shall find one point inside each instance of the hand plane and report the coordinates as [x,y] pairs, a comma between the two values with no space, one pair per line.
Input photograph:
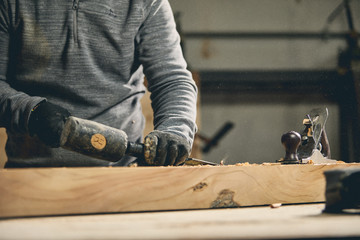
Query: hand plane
[313,135]
[311,143]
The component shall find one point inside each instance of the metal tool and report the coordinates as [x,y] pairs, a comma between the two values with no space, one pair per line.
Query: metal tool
[317,157]
[107,143]
[312,144]
[342,190]
[196,162]
[313,133]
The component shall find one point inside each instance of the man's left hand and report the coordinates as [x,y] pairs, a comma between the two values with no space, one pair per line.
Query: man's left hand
[163,149]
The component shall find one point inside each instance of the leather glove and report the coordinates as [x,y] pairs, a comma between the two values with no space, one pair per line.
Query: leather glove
[47,122]
[163,149]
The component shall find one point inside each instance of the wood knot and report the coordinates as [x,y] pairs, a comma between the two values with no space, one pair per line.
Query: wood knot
[200,186]
[225,199]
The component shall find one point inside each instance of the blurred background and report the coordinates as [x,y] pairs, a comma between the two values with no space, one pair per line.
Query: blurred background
[261,66]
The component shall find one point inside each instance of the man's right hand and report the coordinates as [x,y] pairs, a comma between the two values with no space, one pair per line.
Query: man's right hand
[47,121]
[165,148]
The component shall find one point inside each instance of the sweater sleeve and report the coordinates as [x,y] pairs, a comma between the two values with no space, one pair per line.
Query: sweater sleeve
[173,91]
[15,106]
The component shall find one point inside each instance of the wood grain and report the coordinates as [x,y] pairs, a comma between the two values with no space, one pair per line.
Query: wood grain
[57,191]
[3,139]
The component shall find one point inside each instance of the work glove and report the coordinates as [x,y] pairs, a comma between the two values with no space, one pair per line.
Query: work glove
[47,122]
[163,149]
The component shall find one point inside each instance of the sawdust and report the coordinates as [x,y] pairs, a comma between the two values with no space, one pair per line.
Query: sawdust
[236,164]
[312,162]
[275,205]
[135,164]
[242,164]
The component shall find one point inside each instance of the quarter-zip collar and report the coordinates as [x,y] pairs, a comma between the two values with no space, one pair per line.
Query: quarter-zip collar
[75,8]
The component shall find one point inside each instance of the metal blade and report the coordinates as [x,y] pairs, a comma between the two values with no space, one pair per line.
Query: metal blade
[317,158]
[311,135]
[196,162]
[319,117]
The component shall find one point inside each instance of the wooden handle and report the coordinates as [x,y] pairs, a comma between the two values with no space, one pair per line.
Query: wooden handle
[291,142]
[94,139]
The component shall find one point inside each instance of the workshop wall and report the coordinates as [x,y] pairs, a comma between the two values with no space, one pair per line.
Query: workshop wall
[265,38]
[262,17]
[262,38]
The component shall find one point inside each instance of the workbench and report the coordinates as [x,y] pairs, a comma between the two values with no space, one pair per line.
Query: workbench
[204,202]
[285,222]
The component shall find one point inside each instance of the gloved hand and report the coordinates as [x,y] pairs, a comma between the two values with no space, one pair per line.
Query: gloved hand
[163,149]
[47,122]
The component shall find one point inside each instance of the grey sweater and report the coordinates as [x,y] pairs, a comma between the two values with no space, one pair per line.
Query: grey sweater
[90,57]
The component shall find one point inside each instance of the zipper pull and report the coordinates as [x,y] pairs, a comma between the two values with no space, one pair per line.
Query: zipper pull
[75,8]
[75,4]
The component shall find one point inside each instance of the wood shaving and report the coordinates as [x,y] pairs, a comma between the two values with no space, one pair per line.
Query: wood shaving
[133,165]
[242,164]
[275,205]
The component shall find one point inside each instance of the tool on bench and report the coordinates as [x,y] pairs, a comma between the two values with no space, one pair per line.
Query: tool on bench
[107,143]
[196,162]
[312,144]
[342,190]
[314,136]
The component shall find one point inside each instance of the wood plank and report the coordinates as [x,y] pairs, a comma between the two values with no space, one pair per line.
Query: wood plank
[56,191]
[304,221]
[3,139]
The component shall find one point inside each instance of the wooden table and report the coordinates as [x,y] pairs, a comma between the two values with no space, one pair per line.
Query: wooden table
[287,221]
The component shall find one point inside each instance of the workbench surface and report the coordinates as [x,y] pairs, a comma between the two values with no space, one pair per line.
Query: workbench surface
[287,221]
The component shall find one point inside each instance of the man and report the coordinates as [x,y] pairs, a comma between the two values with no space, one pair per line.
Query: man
[87,59]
